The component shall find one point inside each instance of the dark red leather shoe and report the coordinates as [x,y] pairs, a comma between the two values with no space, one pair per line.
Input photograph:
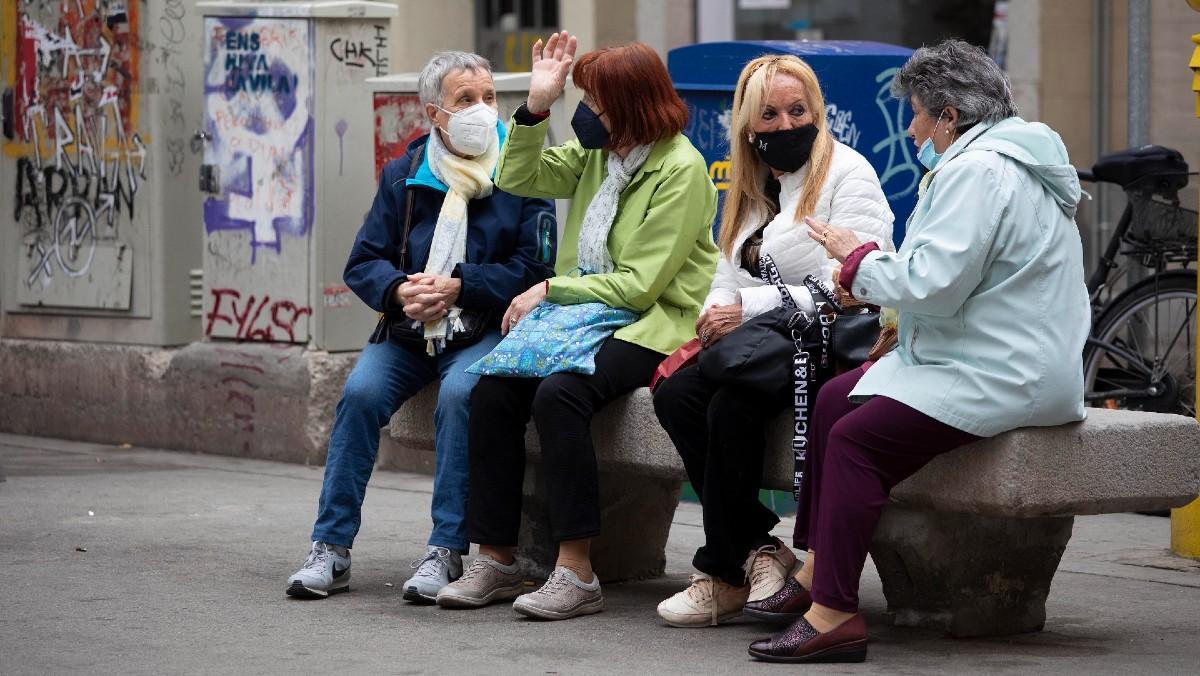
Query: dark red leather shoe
[782,607]
[801,643]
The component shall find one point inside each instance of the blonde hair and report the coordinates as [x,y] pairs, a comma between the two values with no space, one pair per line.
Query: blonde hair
[747,171]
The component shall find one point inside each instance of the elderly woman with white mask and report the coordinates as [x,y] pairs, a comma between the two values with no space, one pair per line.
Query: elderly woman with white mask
[441,254]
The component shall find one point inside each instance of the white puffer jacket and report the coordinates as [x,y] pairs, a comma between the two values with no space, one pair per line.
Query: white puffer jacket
[850,198]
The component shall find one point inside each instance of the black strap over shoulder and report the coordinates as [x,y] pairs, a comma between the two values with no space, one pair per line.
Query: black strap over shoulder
[413,167]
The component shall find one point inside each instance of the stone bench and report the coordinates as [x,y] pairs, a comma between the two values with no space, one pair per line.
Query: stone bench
[969,544]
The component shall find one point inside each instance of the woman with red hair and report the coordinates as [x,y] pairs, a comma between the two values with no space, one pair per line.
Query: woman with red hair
[638,238]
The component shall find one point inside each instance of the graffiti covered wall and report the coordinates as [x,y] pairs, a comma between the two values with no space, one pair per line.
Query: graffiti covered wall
[71,84]
[259,169]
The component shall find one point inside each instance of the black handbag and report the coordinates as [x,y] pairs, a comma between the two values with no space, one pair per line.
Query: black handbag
[779,347]
[854,332]
[396,326]
[758,354]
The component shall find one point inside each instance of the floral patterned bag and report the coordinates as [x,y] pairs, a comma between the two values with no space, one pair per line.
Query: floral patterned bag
[554,339]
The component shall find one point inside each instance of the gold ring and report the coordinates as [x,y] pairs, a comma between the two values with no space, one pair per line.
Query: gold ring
[824,238]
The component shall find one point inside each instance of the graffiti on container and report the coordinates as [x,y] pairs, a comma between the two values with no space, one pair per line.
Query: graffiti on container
[80,160]
[399,120]
[708,128]
[255,318]
[337,295]
[258,90]
[841,125]
[173,32]
[901,173]
[356,53]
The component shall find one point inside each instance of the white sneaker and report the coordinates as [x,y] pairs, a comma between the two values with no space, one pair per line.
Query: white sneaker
[707,602]
[767,568]
[324,572]
[438,568]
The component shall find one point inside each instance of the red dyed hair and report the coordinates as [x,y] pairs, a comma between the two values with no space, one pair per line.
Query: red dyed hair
[631,87]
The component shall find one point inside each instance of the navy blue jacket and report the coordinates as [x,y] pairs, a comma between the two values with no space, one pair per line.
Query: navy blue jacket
[511,242]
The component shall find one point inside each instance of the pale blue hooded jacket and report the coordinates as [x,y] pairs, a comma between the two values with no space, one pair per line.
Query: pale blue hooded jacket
[989,285]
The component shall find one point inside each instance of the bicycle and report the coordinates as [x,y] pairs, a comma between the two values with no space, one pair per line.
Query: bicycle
[1141,354]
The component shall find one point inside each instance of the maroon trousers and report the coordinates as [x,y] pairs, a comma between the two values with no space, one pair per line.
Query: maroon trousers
[856,454]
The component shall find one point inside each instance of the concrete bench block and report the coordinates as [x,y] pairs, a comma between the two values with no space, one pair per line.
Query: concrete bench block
[1115,461]
[968,574]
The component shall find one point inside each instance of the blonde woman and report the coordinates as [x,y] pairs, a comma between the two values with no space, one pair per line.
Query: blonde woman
[786,167]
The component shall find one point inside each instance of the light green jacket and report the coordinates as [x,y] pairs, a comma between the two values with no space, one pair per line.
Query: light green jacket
[661,240]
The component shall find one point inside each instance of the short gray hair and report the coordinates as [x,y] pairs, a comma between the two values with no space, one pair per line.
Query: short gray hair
[429,84]
[954,73]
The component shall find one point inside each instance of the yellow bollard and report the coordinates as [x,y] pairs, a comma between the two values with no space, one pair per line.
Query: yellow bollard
[1185,521]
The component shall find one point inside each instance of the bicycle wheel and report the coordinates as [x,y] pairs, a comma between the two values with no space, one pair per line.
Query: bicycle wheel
[1142,352]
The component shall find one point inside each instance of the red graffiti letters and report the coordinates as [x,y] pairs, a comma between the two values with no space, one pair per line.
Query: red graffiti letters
[255,318]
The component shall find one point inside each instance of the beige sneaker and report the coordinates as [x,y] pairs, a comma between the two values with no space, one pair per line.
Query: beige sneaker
[707,602]
[562,597]
[767,568]
[486,581]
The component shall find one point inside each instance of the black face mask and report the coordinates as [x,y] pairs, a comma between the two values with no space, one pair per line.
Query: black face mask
[588,128]
[785,150]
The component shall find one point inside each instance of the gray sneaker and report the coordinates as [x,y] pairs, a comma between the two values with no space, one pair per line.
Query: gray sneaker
[438,568]
[562,597]
[486,581]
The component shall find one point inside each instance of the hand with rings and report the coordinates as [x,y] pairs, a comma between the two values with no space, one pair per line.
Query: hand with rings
[717,321]
[521,306]
[838,242]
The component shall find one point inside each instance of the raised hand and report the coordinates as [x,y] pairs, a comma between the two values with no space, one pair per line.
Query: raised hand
[551,65]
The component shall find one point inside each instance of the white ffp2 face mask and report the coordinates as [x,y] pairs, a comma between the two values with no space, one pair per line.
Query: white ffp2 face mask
[472,130]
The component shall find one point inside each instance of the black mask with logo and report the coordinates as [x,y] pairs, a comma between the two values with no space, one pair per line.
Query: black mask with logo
[785,150]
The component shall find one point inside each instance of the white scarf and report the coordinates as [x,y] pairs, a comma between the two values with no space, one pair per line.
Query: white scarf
[467,178]
[598,220]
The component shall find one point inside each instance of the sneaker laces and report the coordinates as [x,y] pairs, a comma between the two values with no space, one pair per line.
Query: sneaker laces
[317,557]
[554,583]
[700,592]
[759,564]
[478,565]
[436,557]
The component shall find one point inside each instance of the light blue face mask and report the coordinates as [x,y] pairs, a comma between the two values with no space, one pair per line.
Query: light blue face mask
[926,155]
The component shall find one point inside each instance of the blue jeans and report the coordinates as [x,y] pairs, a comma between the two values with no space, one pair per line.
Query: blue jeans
[384,377]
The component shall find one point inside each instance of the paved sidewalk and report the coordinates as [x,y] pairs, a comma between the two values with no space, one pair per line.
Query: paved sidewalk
[186,558]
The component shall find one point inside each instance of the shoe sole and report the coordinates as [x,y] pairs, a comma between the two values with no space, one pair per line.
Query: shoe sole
[770,617]
[297,590]
[585,608]
[414,595]
[684,623]
[855,651]
[494,596]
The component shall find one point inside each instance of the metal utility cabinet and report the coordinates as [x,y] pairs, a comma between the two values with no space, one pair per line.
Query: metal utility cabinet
[287,174]
[100,236]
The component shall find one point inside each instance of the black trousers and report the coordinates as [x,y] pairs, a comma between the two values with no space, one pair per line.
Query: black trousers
[720,432]
[562,407]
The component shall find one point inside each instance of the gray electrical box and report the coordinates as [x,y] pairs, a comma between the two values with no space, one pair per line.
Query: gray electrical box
[101,233]
[287,175]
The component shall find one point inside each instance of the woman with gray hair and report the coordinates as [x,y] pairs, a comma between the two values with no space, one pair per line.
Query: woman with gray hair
[993,314]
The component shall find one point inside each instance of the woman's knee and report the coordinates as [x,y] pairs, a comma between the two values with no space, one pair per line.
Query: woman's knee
[560,395]
[488,392]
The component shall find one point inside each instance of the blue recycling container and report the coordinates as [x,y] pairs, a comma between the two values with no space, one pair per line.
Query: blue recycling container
[855,78]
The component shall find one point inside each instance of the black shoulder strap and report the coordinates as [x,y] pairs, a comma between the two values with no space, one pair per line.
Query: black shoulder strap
[408,202]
